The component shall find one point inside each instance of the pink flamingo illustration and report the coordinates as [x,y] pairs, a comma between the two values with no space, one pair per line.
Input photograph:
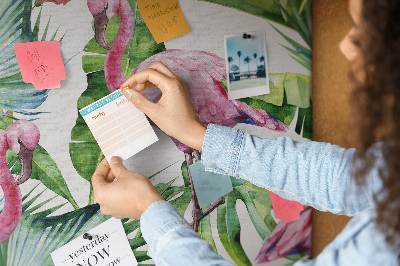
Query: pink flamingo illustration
[22,137]
[288,239]
[201,71]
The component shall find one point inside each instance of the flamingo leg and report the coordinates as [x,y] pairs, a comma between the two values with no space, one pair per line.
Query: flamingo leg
[211,208]
[196,212]
[197,155]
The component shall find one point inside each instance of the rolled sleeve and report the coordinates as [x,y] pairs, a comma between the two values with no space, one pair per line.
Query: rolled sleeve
[221,149]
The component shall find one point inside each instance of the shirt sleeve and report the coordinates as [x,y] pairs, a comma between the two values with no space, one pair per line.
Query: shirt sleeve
[172,241]
[312,173]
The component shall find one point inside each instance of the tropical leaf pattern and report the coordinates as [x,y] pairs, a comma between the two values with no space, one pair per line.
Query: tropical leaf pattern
[15,94]
[291,89]
[40,231]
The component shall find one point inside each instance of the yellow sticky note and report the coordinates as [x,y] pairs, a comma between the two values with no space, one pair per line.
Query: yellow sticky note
[164,18]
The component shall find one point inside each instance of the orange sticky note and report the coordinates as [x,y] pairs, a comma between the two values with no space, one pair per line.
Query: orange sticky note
[41,64]
[284,209]
[164,18]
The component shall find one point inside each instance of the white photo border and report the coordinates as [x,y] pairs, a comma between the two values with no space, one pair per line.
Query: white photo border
[247,92]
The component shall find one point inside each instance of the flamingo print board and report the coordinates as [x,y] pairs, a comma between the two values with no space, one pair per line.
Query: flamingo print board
[46,194]
[118,126]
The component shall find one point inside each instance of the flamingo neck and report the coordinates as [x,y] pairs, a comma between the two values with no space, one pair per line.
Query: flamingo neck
[112,65]
[9,217]
[3,148]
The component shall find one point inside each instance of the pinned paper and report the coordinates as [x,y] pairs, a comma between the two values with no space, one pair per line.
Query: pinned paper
[41,64]
[209,186]
[284,209]
[118,126]
[107,245]
[164,18]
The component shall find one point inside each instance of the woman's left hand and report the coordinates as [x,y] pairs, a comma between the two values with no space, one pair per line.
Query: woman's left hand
[128,196]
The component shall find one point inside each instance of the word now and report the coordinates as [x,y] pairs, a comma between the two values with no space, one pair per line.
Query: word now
[93,259]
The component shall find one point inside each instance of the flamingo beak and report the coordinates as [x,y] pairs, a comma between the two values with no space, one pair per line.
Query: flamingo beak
[25,156]
[100,25]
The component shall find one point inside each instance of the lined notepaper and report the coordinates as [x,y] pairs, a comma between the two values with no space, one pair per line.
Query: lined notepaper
[118,126]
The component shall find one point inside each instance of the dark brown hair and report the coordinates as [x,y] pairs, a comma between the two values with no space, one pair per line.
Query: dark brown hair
[376,107]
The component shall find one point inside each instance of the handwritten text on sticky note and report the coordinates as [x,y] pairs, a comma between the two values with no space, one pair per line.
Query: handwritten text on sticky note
[164,18]
[209,186]
[41,64]
[108,246]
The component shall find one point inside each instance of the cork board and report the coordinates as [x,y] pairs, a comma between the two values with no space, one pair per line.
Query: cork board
[331,90]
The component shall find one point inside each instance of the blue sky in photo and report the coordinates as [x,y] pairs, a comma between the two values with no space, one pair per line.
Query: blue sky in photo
[256,44]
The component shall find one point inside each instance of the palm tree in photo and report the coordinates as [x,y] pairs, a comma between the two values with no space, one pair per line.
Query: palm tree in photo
[262,59]
[239,55]
[255,60]
[247,60]
[234,68]
[230,60]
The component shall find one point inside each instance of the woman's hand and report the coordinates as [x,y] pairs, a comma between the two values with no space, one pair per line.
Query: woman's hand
[174,113]
[128,196]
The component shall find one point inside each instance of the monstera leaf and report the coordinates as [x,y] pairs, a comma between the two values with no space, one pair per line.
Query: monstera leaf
[141,46]
[84,150]
[45,170]
[288,91]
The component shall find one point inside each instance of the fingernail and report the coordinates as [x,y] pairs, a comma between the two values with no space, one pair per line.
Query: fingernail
[128,93]
[115,160]
[124,88]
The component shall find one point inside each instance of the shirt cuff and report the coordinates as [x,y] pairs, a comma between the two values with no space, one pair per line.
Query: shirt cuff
[158,219]
[221,150]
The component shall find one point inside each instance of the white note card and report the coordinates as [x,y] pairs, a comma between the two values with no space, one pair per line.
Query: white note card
[109,247]
[118,126]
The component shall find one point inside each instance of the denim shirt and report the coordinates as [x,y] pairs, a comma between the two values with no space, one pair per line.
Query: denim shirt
[312,173]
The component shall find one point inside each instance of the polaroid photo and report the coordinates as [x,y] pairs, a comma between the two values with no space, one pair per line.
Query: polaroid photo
[246,64]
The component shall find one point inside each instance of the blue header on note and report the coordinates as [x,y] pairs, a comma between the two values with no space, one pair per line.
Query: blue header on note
[94,106]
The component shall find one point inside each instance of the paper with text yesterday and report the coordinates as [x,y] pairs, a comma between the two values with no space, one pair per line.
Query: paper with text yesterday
[108,246]
[118,126]
[164,18]
[209,186]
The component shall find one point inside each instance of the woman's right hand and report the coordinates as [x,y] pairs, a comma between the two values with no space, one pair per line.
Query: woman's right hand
[174,113]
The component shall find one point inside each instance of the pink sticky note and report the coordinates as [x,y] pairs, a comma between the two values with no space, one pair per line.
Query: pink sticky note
[284,209]
[41,64]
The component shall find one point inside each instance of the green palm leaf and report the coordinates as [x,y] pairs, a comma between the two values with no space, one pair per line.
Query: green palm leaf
[15,27]
[38,233]
[294,14]
[266,9]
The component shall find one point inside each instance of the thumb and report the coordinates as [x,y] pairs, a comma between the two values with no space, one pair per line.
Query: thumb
[117,167]
[138,100]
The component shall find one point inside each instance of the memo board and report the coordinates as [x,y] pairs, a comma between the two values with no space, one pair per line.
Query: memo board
[57,203]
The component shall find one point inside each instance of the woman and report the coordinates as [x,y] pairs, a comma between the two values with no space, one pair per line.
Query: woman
[316,174]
